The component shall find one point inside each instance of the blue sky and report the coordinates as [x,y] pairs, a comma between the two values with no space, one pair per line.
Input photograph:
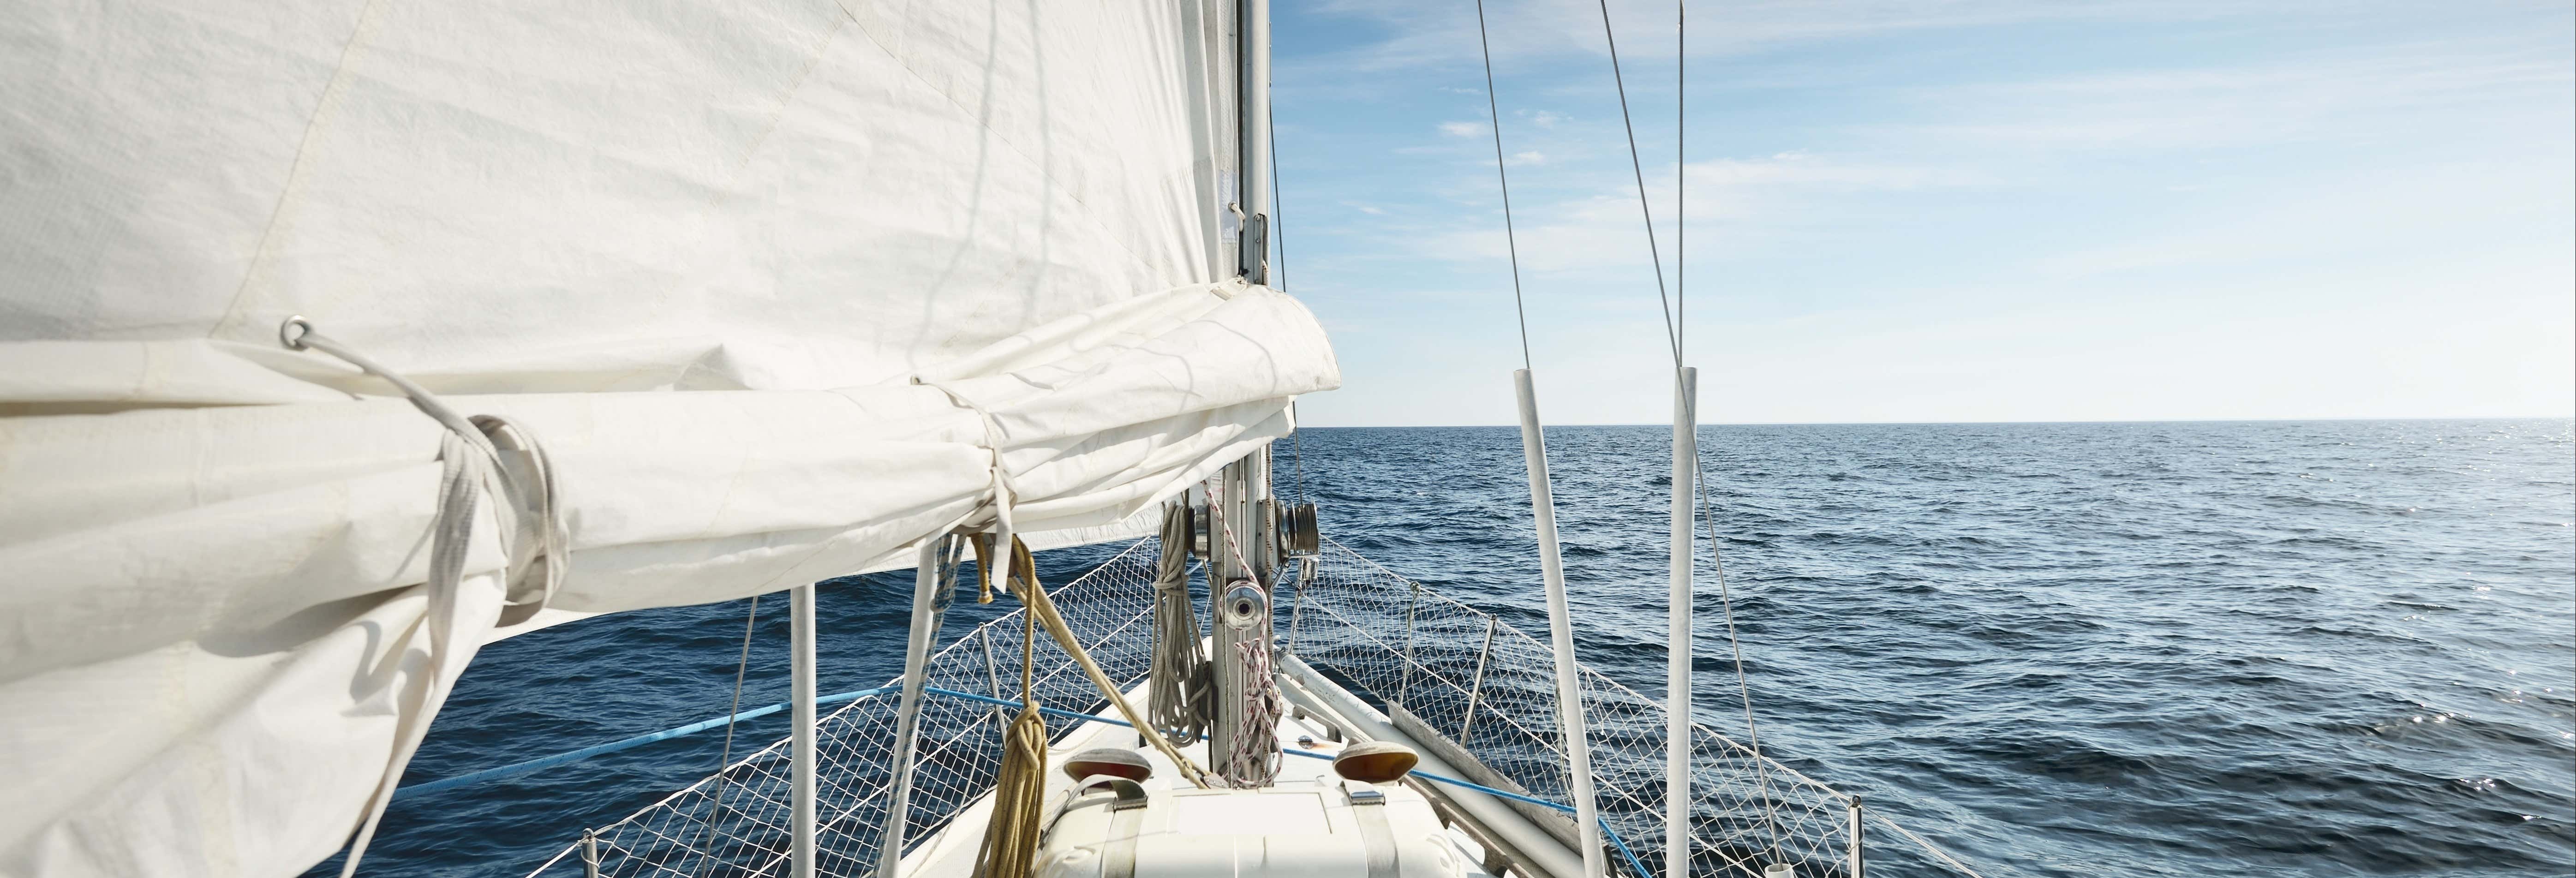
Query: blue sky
[1981,210]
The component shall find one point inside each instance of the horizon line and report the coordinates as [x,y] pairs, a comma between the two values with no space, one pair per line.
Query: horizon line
[2559,417]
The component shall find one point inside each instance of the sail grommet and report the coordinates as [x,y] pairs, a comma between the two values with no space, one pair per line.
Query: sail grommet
[291,333]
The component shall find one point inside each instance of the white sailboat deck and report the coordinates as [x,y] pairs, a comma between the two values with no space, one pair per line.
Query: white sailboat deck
[950,853]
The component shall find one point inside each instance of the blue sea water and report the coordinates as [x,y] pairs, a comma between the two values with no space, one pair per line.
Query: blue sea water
[2135,649]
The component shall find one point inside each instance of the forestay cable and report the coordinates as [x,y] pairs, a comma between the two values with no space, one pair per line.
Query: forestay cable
[1276,231]
[1569,693]
[1644,208]
[1510,241]
[1673,330]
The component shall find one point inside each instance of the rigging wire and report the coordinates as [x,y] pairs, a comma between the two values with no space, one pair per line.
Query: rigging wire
[1680,328]
[1280,232]
[1726,604]
[1277,232]
[1638,166]
[1296,454]
[1674,303]
[724,759]
[1510,241]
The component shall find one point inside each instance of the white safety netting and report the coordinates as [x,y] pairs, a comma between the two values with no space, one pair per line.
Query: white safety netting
[736,823]
[1388,639]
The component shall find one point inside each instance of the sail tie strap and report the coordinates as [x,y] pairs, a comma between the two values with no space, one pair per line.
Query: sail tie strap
[1005,495]
[1377,838]
[1126,822]
[480,455]
[1012,552]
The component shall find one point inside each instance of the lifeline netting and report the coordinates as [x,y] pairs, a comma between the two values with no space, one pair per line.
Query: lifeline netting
[1391,641]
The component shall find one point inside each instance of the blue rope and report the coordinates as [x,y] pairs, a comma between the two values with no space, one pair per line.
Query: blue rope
[703,725]
[1623,846]
[1005,702]
[614,746]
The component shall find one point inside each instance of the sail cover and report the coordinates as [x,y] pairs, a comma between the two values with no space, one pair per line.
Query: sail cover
[769,281]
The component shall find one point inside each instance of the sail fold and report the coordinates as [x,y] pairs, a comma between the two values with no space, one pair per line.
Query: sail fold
[769,281]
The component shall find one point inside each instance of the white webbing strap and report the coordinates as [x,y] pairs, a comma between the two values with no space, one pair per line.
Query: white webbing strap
[1126,823]
[479,456]
[1377,838]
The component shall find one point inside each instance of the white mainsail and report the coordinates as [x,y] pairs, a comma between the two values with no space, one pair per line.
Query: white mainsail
[754,274]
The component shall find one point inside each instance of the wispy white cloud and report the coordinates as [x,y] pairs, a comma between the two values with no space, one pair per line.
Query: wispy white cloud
[1519,31]
[2326,95]
[2388,220]
[2256,209]
[1604,227]
[1803,169]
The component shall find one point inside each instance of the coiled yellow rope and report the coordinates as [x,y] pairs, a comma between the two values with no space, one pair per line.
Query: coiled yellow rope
[1011,839]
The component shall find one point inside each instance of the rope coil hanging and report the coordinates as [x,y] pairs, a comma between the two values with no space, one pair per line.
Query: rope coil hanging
[1033,597]
[1012,836]
[1183,694]
[1011,839]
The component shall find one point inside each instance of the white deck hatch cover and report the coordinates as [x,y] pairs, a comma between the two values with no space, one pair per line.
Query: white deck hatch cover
[1218,812]
[1307,829]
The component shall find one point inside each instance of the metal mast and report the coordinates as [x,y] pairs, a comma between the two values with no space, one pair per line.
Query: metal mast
[1252,129]
[1239,573]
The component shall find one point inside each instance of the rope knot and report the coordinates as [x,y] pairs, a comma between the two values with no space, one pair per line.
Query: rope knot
[1005,496]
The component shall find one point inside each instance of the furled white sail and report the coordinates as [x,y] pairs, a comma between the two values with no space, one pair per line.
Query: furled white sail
[765,279]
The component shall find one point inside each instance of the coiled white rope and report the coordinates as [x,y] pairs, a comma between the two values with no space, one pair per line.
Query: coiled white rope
[480,455]
[1181,694]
